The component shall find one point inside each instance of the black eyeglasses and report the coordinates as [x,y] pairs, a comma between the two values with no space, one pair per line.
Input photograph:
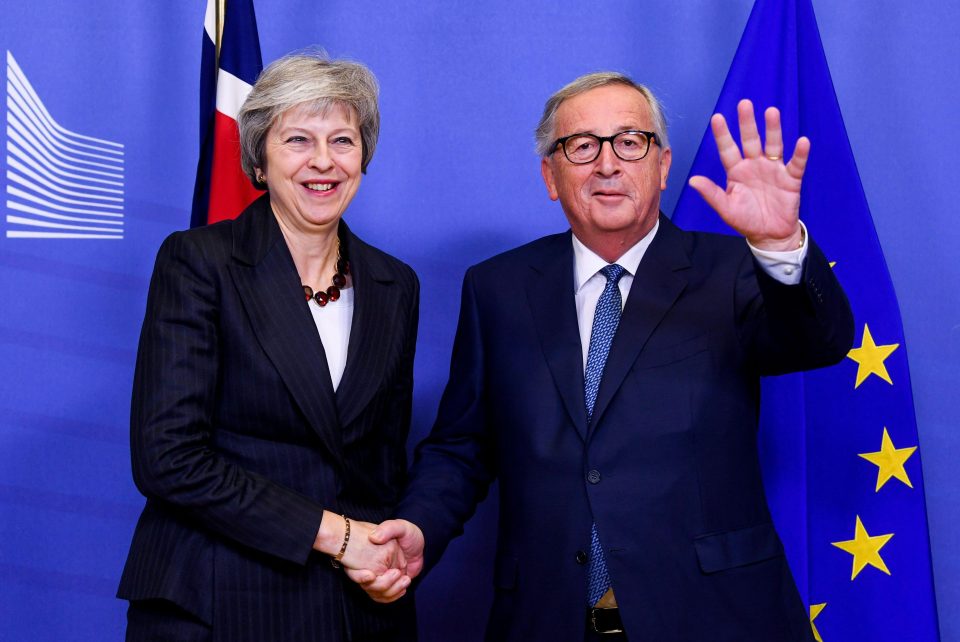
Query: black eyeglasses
[631,145]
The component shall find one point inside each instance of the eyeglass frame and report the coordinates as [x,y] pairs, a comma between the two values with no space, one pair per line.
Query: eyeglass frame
[652,139]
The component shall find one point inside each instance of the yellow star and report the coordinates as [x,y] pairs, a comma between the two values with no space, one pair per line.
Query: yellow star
[865,549]
[890,461]
[870,357]
[815,610]
[833,263]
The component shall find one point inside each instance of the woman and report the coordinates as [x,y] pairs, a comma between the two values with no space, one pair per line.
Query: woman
[272,392]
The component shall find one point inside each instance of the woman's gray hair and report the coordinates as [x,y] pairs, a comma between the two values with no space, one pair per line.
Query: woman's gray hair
[307,78]
[546,134]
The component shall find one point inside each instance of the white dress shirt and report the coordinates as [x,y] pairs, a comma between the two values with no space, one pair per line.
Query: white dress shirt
[588,283]
[333,322]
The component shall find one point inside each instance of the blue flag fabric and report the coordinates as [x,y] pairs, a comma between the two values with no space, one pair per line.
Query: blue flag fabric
[839,445]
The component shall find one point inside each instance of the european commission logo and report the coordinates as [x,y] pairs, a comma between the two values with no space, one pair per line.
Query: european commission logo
[60,184]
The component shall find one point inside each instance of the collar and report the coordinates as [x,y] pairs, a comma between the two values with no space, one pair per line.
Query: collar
[586,263]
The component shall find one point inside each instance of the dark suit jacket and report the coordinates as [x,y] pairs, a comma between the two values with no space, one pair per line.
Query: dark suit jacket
[668,468]
[239,442]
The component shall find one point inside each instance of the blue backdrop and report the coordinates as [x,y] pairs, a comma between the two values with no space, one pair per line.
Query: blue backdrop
[455,179]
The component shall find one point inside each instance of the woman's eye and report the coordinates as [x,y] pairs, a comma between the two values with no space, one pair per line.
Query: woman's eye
[297,139]
[343,140]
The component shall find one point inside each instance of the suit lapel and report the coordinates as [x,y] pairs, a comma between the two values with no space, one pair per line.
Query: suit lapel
[269,288]
[656,286]
[551,297]
[372,332]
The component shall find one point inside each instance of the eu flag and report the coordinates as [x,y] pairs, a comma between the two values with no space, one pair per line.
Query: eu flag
[839,445]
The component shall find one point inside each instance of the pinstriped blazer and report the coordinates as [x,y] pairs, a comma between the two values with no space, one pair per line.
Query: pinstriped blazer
[239,442]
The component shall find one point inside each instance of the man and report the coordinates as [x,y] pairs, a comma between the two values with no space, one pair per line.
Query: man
[609,379]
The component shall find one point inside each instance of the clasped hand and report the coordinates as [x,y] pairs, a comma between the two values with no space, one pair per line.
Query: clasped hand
[384,559]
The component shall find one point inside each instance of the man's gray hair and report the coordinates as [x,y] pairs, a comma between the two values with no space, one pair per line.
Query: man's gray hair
[311,79]
[546,129]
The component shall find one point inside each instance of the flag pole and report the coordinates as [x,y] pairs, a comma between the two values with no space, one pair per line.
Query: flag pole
[221,11]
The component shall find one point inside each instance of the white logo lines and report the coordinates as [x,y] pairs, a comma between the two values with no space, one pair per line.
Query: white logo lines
[60,184]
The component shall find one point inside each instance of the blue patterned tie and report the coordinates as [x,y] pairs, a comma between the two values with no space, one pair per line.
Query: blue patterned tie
[605,321]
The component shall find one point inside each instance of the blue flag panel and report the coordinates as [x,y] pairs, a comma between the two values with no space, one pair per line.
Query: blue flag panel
[240,49]
[841,462]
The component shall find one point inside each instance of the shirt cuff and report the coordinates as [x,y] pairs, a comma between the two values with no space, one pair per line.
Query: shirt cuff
[785,267]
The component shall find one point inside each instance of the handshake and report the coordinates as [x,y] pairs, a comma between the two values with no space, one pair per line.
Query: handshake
[382,559]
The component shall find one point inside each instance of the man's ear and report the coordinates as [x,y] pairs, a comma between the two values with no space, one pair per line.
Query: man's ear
[665,158]
[546,168]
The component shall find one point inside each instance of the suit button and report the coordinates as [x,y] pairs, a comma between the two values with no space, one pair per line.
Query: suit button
[593,477]
[581,557]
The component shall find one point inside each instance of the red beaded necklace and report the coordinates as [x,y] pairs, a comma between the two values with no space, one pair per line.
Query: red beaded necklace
[339,281]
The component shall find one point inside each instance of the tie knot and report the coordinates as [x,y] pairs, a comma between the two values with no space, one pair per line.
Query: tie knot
[613,272]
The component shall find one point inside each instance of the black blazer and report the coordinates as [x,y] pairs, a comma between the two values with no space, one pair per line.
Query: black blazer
[239,442]
[668,466]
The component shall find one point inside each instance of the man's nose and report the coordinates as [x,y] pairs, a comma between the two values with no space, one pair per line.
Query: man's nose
[607,162]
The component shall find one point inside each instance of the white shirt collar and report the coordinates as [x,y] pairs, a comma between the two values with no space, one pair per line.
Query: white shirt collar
[586,263]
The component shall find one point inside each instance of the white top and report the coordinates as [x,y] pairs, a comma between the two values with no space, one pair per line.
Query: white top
[333,322]
[588,283]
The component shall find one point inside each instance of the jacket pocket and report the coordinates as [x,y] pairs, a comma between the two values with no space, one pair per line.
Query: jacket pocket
[720,551]
[656,356]
[505,572]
